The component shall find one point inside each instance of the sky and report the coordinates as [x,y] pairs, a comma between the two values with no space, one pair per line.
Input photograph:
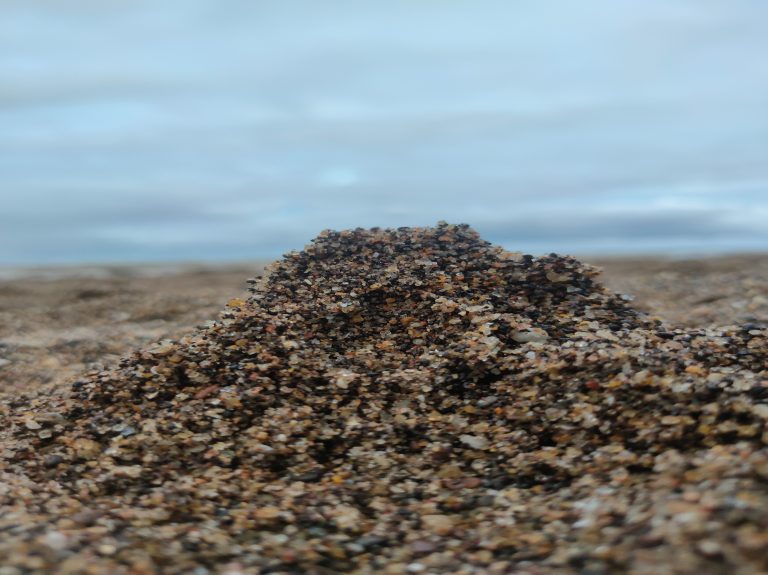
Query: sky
[196,130]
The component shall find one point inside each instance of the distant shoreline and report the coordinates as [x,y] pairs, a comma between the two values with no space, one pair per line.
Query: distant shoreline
[120,270]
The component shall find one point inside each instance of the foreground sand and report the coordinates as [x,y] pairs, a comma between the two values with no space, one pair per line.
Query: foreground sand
[620,445]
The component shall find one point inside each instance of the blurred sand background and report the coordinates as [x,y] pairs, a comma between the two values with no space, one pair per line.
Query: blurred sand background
[56,323]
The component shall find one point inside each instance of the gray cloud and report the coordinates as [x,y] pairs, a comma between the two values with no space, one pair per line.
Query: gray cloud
[189,130]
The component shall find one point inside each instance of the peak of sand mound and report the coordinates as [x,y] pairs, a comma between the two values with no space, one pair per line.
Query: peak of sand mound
[411,400]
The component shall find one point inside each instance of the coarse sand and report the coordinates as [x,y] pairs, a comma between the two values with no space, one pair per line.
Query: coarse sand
[402,401]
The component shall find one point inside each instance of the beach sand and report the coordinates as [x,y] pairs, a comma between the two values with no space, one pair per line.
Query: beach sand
[591,446]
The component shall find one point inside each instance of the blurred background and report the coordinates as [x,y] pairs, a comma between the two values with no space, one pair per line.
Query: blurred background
[201,130]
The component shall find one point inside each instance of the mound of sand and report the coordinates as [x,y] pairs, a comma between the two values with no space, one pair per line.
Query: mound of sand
[410,400]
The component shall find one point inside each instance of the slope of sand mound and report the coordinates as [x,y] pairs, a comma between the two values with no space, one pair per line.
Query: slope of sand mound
[404,401]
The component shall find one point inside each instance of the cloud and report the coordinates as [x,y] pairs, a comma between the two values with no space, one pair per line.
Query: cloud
[138,130]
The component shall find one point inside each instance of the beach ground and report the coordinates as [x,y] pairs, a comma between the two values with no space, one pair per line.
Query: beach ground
[605,413]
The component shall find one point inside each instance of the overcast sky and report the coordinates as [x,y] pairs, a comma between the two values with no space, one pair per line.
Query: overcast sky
[210,129]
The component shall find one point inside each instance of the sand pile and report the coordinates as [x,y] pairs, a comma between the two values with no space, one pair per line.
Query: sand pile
[404,401]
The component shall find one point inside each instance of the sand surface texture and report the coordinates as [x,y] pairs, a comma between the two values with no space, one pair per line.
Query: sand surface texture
[395,401]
